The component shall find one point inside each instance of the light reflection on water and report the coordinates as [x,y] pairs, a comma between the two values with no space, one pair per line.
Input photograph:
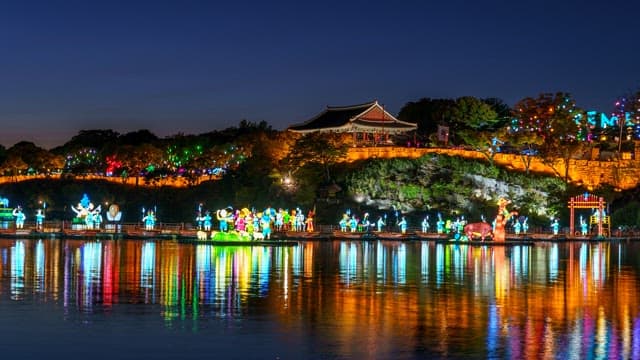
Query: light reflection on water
[336,299]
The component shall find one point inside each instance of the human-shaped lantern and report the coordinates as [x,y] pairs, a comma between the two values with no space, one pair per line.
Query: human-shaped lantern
[149,220]
[20,217]
[40,219]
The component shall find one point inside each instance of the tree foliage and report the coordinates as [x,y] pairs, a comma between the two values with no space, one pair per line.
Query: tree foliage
[324,149]
[135,159]
[463,114]
[553,121]
[472,113]
[451,185]
[13,165]
[486,142]
[427,114]
[502,110]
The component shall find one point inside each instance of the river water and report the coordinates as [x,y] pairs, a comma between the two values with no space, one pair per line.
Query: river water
[132,299]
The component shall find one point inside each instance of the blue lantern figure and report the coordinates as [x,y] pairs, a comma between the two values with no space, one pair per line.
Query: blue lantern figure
[425,224]
[440,224]
[149,220]
[380,223]
[403,225]
[517,227]
[555,226]
[584,227]
[20,217]
[39,219]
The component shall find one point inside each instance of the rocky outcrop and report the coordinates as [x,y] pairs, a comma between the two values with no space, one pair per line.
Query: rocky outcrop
[622,174]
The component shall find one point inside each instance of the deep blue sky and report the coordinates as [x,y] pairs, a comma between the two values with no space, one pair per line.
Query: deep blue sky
[193,67]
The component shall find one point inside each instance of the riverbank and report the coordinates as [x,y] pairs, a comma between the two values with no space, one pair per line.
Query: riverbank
[175,232]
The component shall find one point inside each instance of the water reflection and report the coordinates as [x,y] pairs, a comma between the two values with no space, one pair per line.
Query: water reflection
[17,270]
[382,299]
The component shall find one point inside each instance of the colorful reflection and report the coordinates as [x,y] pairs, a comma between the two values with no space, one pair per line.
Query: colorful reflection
[89,263]
[17,271]
[575,300]
[39,270]
[147,272]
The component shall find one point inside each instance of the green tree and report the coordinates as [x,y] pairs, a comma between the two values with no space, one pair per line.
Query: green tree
[48,162]
[34,156]
[486,142]
[502,110]
[324,149]
[472,113]
[14,165]
[555,120]
[526,143]
[83,161]
[135,159]
[477,125]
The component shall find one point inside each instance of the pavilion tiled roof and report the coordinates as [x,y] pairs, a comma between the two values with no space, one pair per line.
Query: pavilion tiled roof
[368,117]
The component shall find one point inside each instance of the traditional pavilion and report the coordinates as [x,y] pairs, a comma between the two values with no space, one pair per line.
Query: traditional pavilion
[369,123]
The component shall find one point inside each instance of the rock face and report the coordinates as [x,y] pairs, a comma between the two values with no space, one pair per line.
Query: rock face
[491,190]
[622,174]
[407,188]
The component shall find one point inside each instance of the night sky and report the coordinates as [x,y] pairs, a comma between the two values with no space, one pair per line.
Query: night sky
[196,66]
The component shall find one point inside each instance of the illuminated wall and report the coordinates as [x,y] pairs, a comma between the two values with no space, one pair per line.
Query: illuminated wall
[622,174]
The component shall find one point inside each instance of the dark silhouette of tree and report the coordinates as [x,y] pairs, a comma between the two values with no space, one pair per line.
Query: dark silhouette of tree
[14,165]
[138,137]
[97,139]
[35,157]
[47,162]
[503,111]
[253,180]
[3,154]
[427,114]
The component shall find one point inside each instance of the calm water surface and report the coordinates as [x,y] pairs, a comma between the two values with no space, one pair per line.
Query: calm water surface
[136,299]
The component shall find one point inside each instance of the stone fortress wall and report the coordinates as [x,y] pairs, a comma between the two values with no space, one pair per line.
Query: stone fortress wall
[621,174]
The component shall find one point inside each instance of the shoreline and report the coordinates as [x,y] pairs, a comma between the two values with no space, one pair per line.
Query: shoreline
[193,236]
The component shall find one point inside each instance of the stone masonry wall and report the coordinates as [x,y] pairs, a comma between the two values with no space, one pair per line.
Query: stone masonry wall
[621,174]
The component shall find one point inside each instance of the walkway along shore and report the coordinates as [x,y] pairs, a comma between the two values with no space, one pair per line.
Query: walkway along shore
[186,233]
